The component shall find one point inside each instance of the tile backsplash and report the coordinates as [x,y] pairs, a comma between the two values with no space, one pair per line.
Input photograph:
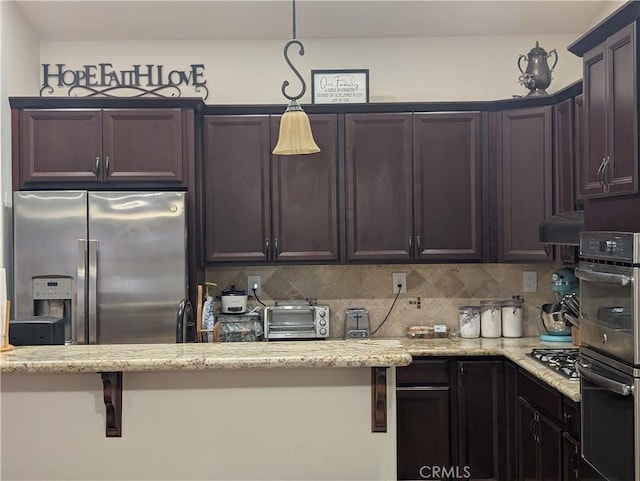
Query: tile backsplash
[434,291]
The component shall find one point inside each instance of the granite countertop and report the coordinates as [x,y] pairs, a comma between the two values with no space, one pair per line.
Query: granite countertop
[284,354]
[226,355]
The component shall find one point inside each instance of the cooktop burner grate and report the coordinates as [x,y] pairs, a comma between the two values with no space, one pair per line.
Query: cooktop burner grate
[561,360]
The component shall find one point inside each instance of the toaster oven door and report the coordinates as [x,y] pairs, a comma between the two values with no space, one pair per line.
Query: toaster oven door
[290,322]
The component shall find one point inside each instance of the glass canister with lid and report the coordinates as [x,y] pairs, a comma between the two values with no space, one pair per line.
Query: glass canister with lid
[512,316]
[469,321]
[491,318]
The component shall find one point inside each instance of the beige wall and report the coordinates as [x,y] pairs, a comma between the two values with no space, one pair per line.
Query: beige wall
[19,73]
[401,70]
[263,424]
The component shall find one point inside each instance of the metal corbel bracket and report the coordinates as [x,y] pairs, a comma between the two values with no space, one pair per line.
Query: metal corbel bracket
[112,392]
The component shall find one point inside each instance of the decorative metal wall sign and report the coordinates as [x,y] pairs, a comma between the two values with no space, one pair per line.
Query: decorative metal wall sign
[138,81]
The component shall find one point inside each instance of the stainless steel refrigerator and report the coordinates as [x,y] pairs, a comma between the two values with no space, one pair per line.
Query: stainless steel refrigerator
[112,264]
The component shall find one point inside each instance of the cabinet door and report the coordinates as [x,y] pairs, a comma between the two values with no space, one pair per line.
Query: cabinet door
[143,145]
[524,186]
[305,197]
[423,430]
[60,145]
[550,441]
[527,450]
[621,175]
[578,148]
[237,224]
[447,186]
[595,126]
[481,420]
[570,458]
[378,178]
[611,113]
[564,157]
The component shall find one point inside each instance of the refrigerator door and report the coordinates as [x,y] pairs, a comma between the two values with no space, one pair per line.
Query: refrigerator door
[137,266]
[50,231]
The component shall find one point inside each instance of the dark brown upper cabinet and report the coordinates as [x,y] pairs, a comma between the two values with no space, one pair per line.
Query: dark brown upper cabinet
[264,208]
[413,186]
[564,157]
[524,191]
[447,186]
[378,176]
[610,162]
[99,146]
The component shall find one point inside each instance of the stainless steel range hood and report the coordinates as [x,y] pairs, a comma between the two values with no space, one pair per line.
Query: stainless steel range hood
[562,228]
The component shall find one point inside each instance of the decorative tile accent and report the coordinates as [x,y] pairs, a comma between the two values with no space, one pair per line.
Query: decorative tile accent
[442,288]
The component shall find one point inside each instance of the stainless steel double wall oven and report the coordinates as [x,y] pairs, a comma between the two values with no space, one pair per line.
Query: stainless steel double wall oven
[609,363]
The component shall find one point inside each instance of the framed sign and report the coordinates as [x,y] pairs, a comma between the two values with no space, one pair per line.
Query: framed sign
[340,86]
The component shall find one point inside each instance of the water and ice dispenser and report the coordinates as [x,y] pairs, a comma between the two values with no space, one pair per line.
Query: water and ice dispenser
[52,298]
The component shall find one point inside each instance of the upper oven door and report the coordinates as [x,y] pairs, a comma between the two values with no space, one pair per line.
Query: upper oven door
[609,299]
[609,417]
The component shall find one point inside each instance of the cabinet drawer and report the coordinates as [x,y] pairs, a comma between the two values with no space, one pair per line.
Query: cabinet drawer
[571,417]
[423,371]
[547,400]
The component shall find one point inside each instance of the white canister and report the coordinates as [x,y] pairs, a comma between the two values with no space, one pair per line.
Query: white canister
[512,314]
[469,321]
[490,318]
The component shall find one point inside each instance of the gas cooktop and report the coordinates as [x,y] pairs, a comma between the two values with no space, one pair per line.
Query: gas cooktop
[560,360]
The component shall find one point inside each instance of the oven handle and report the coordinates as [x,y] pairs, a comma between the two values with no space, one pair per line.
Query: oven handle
[602,381]
[591,276]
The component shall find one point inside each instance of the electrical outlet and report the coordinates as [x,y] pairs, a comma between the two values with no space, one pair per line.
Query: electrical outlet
[254,281]
[399,278]
[529,281]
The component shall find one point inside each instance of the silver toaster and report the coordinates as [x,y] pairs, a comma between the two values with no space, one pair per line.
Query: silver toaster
[356,323]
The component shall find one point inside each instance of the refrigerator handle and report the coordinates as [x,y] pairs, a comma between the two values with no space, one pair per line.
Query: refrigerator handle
[92,295]
[78,328]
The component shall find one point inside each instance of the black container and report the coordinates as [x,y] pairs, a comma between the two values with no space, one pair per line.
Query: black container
[36,331]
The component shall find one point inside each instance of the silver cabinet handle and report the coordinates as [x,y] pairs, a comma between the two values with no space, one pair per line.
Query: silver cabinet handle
[600,173]
[266,247]
[418,246]
[275,248]
[106,167]
[590,276]
[605,172]
[97,170]
[410,245]
[602,381]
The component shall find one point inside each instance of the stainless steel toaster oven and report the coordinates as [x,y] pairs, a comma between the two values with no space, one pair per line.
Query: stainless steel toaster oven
[296,321]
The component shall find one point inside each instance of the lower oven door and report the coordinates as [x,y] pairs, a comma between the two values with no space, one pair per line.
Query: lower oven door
[609,416]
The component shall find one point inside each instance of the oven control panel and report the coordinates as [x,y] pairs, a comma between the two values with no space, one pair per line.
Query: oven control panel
[613,246]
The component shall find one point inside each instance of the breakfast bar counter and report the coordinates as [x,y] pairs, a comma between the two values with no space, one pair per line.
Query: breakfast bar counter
[204,356]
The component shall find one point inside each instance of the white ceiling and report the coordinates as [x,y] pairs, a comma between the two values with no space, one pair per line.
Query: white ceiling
[272,19]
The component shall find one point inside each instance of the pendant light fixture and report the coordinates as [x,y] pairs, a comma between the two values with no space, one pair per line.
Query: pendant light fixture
[295,135]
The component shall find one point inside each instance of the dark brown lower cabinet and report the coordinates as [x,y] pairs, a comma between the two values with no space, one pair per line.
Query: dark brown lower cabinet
[539,445]
[450,419]
[483,418]
[423,425]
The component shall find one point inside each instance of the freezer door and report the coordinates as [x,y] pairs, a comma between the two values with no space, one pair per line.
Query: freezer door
[50,229]
[137,267]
